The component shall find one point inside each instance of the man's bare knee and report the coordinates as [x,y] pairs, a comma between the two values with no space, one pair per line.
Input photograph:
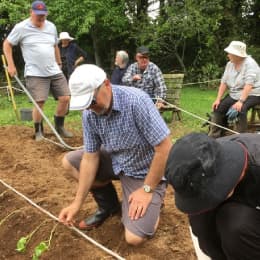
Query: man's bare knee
[65,163]
[69,168]
[133,239]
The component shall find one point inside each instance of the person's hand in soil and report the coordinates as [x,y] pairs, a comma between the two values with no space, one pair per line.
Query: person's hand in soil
[67,214]
[139,201]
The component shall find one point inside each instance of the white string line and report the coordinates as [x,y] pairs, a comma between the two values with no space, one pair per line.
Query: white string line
[184,84]
[200,82]
[44,116]
[56,219]
[58,144]
[18,89]
[174,106]
[198,117]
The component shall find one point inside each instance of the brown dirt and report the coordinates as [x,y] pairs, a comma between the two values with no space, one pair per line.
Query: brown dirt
[34,169]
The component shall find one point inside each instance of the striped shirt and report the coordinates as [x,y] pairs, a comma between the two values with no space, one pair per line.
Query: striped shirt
[152,81]
[129,133]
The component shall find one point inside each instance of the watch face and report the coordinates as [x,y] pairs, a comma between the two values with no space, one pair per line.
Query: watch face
[147,188]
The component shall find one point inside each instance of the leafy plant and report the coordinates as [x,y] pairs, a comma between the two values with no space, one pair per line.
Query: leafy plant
[23,241]
[43,246]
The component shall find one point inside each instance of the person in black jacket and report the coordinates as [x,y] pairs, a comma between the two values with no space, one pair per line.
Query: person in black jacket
[122,63]
[71,54]
[217,183]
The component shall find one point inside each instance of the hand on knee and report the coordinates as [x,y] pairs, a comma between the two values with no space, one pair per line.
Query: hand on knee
[133,239]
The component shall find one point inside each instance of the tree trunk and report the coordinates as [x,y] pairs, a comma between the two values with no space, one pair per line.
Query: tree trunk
[94,37]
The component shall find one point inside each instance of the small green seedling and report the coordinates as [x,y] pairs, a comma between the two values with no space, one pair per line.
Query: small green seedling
[43,246]
[23,241]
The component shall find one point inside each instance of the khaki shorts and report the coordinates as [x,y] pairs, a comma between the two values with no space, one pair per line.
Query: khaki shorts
[39,87]
[143,227]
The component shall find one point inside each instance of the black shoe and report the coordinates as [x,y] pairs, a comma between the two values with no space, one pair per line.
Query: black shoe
[97,218]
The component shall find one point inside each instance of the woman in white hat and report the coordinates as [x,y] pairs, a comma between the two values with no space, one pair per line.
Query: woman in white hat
[71,54]
[242,81]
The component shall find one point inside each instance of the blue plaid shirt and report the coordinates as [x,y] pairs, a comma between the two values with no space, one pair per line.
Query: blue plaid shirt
[129,133]
[152,81]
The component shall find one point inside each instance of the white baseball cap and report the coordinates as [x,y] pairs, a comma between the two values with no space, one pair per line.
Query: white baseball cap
[237,48]
[65,36]
[83,82]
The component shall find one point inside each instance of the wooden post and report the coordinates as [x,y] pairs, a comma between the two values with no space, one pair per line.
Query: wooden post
[174,85]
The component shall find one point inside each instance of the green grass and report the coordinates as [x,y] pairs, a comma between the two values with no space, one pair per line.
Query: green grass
[196,101]
[8,115]
[193,99]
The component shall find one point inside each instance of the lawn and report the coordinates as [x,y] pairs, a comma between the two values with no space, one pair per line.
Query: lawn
[193,100]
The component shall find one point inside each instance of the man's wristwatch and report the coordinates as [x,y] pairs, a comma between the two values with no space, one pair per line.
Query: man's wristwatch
[147,188]
[241,100]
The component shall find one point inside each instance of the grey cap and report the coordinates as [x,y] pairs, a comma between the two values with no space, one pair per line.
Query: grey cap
[142,50]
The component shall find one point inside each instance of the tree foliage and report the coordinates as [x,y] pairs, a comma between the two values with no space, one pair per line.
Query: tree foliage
[187,35]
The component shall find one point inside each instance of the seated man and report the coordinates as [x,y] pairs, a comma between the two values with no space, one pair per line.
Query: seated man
[147,76]
[217,183]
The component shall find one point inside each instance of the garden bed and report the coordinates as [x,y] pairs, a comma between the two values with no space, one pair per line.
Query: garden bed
[34,169]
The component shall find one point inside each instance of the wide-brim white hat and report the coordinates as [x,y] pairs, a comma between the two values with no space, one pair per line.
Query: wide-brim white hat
[65,36]
[83,82]
[237,48]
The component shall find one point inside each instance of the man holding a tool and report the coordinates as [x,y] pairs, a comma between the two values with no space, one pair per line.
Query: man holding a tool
[38,40]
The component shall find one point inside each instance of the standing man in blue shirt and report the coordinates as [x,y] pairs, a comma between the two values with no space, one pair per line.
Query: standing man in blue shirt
[39,43]
[124,138]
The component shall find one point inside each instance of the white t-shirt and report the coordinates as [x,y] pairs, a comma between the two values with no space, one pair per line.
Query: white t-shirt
[37,46]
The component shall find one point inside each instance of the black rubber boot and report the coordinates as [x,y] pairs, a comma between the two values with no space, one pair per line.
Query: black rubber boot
[38,131]
[108,205]
[59,126]
[241,125]
[216,131]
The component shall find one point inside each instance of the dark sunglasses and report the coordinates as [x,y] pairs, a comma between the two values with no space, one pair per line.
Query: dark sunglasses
[93,102]
[94,99]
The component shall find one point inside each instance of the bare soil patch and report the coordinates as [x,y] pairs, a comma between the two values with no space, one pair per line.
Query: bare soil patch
[34,169]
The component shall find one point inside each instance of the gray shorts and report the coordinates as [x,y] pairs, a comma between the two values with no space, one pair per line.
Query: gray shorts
[143,227]
[39,87]
[105,171]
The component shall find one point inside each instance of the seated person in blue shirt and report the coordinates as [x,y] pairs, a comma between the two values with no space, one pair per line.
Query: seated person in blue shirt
[125,138]
[122,63]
